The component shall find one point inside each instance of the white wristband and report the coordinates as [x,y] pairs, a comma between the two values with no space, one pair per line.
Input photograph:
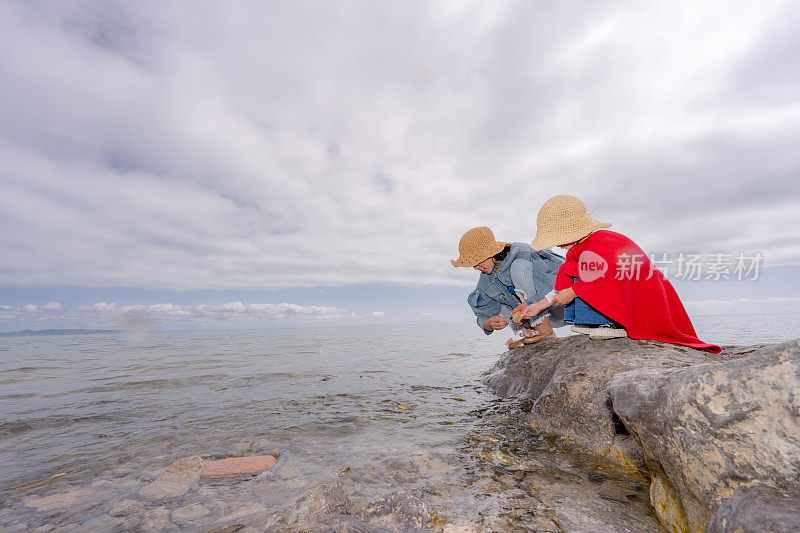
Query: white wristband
[549,296]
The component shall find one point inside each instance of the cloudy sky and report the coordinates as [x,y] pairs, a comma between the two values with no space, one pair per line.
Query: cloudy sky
[214,162]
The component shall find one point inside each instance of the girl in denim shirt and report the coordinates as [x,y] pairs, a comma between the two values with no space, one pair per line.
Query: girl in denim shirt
[512,276]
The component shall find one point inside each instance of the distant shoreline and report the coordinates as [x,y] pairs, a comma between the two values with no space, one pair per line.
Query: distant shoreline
[38,332]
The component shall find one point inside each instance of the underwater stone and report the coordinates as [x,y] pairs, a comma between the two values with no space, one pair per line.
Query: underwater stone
[175,481]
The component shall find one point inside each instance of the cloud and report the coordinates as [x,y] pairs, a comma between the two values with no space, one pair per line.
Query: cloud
[740,303]
[111,314]
[376,314]
[273,145]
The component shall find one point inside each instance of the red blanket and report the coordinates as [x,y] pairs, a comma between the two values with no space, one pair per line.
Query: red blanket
[613,277]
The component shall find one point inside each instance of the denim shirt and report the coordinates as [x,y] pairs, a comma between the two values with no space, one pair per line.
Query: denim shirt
[524,274]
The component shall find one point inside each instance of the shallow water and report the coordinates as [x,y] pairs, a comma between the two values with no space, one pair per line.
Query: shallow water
[364,421]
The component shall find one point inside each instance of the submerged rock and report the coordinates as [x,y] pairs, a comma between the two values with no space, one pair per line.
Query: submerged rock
[175,481]
[189,513]
[719,435]
[61,500]
[238,510]
[235,466]
[400,509]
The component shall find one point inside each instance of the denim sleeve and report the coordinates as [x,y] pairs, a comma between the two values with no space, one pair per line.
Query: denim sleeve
[483,307]
[525,285]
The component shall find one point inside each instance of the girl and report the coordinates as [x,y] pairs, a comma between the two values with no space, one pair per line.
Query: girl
[511,274]
[611,277]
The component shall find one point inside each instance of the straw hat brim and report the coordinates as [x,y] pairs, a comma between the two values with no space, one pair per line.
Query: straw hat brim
[496,248]
[548,240]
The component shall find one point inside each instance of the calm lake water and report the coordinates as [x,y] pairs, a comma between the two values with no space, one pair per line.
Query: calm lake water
[360,418]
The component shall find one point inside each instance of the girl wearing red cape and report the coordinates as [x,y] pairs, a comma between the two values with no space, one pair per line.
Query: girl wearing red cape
[608,276]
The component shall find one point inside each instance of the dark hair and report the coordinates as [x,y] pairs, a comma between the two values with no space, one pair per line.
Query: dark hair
[502,255]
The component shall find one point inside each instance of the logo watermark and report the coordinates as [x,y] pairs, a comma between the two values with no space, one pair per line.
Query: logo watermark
[685,266]
[591,266]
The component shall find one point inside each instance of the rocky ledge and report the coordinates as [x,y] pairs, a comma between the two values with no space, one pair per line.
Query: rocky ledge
[718,435]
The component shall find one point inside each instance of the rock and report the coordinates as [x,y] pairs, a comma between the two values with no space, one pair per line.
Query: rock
[455,528]
[236,528]
[155,519]
[61,500]
[722,439]
[149,473]
[568,381]
[718,435]
[324,498]
[98,523]
[288,472]
[189,513]
[175,481]
[208,493]
[400,509]
[238,510]
[758,508]
[235,466]
[125,507]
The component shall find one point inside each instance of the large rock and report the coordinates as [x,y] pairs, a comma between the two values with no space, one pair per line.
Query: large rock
[721,439]
[719,435]
[568,381]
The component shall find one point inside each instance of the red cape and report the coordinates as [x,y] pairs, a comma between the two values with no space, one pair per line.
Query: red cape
[647,308]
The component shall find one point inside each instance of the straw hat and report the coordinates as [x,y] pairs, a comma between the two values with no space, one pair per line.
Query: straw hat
[563,219]
[477,245]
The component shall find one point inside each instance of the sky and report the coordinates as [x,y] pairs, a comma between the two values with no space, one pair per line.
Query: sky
[256,164]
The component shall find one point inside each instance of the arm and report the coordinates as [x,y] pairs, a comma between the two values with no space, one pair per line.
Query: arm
[532,278]
[487,311]
[522,276]
[553,299]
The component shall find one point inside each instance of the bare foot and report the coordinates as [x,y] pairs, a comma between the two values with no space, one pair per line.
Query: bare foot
[544,328]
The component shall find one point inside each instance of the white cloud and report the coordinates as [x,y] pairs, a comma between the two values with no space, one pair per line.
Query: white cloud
[739,303]
[376,314]
[111,314]
[52,306]
[269,145]
[100,306]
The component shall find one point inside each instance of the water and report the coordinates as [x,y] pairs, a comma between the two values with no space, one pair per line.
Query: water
[363,420]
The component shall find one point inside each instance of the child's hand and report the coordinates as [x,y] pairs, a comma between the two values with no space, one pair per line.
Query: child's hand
[517,311]
[564,297]
[531,311]
[494,323]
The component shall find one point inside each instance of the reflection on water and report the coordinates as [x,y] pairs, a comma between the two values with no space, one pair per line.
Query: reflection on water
[374,429]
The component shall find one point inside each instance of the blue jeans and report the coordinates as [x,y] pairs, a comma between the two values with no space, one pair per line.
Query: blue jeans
[579,312]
